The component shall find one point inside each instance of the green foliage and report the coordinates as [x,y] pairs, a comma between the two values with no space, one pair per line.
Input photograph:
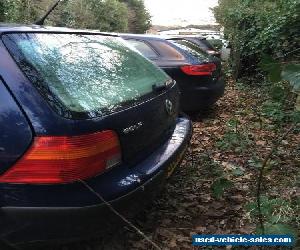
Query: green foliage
[139,19]
[237,171]
[214,170]
[104,15]
[274,111]
[278,71]
[233,141]
[18,10]
[256,27]
[212,167]
[278,228]
[272,67]
[109,15]
[219,186]
[278,214]
[278,108]
[216,43]
[235,138]
[291,73]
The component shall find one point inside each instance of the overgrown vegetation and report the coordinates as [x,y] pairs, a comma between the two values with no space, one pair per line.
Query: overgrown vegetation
[256,27]
[264,37]
[104,15]
[215,190]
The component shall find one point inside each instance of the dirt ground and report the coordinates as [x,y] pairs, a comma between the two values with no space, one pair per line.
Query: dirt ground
[187,204]
[191,203]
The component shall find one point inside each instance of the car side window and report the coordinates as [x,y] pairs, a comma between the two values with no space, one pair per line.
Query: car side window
[168,51]
[144,48]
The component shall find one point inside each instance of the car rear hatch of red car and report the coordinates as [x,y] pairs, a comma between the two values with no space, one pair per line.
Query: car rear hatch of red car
[93,104]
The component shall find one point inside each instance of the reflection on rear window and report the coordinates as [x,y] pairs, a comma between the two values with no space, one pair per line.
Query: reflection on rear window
[191,49]
[144,48]
[168,52]
[83,74]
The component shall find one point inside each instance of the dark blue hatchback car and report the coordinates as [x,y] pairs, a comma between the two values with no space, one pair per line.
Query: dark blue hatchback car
[80,109]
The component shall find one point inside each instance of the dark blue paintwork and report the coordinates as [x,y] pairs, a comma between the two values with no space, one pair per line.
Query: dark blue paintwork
[31,212]
[110,185]
[197,92]
[136,186]
[15,132]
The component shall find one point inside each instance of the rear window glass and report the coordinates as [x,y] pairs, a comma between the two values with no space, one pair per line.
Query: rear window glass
[144,48]
[216,43]
[206,44]
[192,49]
[167,50]
[83,74]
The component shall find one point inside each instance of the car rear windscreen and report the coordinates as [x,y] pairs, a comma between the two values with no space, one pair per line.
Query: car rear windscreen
[203,43]
[84,75]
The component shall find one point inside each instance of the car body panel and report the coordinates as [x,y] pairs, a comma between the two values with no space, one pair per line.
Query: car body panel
[29,208]
[16,134]
[153,141]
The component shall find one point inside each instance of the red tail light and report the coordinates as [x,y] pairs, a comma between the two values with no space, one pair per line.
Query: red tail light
[199,70]
[65,159]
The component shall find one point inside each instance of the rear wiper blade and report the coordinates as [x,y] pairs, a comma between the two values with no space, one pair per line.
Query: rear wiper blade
[159,88]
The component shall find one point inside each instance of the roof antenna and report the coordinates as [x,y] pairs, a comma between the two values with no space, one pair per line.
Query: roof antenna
[43,18]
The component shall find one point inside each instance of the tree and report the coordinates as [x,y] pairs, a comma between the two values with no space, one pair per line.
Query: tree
[2,11]
[105,15]
[139,19]
[256,27]
[110,15]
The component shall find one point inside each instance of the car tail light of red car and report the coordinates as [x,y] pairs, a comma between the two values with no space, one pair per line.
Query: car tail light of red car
[199,70]
[65,159]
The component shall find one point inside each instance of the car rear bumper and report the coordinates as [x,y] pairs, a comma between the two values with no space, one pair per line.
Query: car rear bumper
[27,224]
[203,96]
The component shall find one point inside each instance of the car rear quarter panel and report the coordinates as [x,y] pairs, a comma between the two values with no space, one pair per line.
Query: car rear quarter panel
[15,132]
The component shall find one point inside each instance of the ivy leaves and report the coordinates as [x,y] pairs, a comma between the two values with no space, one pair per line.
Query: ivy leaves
[278,71]
[277,214]
[219,186]
[256,27]
[272,67]
[291,73]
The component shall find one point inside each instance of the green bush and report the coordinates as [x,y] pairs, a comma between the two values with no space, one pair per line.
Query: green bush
[256,27]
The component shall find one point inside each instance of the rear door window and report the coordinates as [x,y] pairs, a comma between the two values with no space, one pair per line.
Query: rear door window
[167,51]
[84,75]
[206,44]
[144,48]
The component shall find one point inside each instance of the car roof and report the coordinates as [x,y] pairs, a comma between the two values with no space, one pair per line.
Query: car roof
[143,36]
[159,37]
[16,28]
[186,37]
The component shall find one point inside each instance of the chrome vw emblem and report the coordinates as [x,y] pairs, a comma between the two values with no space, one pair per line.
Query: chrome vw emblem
[169,107]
